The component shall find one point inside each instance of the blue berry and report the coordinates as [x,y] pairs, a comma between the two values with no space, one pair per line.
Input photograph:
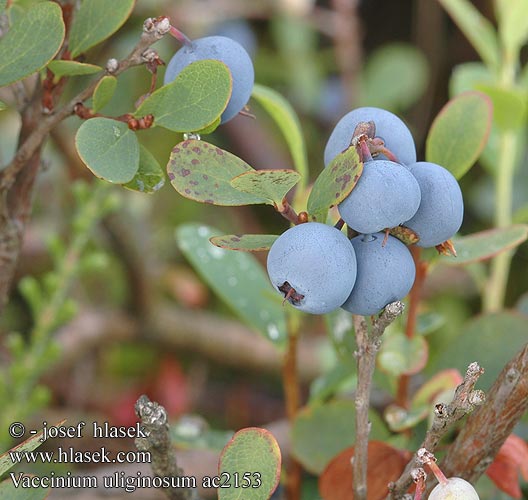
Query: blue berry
[384,273]
[386,195]
[317,262]
[389,127]
[223,49]
[441,209]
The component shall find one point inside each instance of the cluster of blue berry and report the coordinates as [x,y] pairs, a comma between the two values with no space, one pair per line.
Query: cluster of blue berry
[318,269]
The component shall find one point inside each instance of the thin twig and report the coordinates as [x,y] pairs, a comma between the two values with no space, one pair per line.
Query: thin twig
[402,393]
[290,378]
[488,427]
[466,398]
[368,344]
[158,443]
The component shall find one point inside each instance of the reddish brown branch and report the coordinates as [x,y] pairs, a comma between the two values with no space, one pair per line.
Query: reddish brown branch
[402,394]
[466,398]
[17,178]
[488,427]
[290,378]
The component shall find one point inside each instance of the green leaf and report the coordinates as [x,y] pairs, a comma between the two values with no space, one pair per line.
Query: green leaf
[270,185]
[486,244]
[490,339]
[459,132]
[3,106]
[72,68]
[193,101]
[237,278]
[150,176]
[394,78]
[285,117]
[194,433]
[334,183]
[400,419]
[95,21]
[468,76]
[332,382]
[319,433]
[103,92]
[441,382]
[252,461]
[400,355]
[513,24]
[429,323]
[510,106]
[202,172]
[3,4]
[245,242]
[29,444]
[31,42]
[8,491]
[109,149]
[521,215]
[477,29]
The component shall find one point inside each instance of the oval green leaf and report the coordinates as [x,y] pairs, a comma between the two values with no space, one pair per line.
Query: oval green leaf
[510,106]
[395,77]
[3,4]
[476,28]
[237,278]
[103,92]
[319,433]
[486,244]
[400,355]
[271,185]
[334,183]
[490,339]
[9,490]
[150,176]
[31,42]
[202,172]
[95,21]
[2,106]
[252,461]
[193,101]
[109,149]
[72,68]
[285,117]
[459,133]
[245,242]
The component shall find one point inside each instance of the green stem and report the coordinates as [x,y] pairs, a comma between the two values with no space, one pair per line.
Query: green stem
[45,323]
[495,290]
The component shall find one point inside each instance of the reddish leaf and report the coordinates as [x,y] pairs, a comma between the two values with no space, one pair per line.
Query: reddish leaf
[170,387]
[511,459]
[385,464]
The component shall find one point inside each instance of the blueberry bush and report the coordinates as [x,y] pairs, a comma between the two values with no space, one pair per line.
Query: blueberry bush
[279,197]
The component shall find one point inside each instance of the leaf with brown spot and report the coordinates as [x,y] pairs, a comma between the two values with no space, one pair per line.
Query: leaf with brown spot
[405,235]
[511,460]
[202,172]
[334,183]
[272,185]
[385,464]
[244,242]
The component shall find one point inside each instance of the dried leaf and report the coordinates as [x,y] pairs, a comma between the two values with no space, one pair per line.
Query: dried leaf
[385,464]
[511,459]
